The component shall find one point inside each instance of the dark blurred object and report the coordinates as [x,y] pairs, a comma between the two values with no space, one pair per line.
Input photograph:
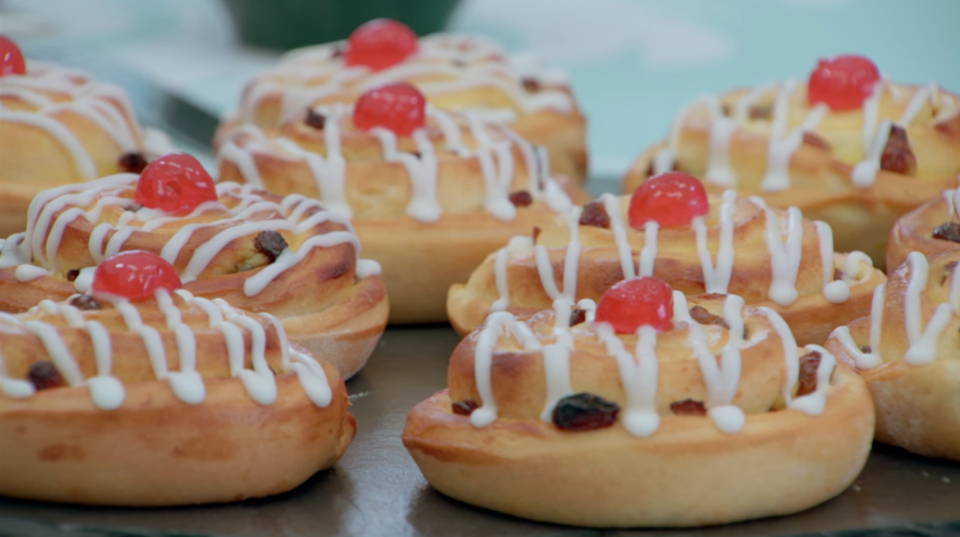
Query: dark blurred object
[286,24]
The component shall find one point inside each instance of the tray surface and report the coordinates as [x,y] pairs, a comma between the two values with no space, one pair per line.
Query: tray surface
[376,488]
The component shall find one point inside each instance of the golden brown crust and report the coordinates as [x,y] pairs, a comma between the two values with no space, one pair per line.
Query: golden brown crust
[916,404]
[914,232]
[420,259]
[811,316]
[821,168]
[321,302]
[33,159]
[782,461]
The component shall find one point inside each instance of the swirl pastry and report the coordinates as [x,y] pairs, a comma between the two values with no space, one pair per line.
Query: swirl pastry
[143,394]
[907,351]
[770,257]
[258,251]
[454,73]
[60,126]
[933,227]
[612,421]
[857,154]
[429,197]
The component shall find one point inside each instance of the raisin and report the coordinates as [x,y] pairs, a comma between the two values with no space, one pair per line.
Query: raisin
[85,302]
[72,275]
[688,407]
[459,63]
[415,153]
[725,109]
[702,316]
[536,232]
[809,363]
[465,407]
[865,349]
[837,274]
[315,119]
[947,271]
[44,375]
[531,84]
[577,316]
[595,214]
[132,162]
[135,207]
[270,244]
[584,412]
[521,198]
[337,51]
[813,140]
[897,156]
[760,111]
[948,232]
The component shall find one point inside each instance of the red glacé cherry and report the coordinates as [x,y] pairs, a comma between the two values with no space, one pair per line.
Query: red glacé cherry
[636,302]
[669,199]
[11,59]
[175,183]
[134,275]
[842,83]
[379,44]
[398,107]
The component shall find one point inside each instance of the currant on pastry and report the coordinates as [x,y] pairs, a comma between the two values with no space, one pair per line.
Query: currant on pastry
[60,126]
[430,193]
[85,382]
[931,228]
[453,72]
[770,257]
[718,399]
[846,146]
[907,351]
[289,256]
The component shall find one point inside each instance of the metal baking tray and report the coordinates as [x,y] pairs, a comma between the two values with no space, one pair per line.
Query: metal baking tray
[376,488]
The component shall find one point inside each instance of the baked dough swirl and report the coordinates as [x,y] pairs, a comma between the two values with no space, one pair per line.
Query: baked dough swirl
[258,251]
[907,351]
[429,207]
[933,227]
[60,126]
[454,73]
[731,408]
[770,257]
[856,170]
[174,400]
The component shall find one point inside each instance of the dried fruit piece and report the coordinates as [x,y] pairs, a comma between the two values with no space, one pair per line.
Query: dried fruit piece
[399,108]
[270,243]
[807,382]
[85,302]
[577,316]
[947,271]
[865,349]
[132,162]
[842,83]
[11,59]
[595,214]
[135,207]
[521,198]
[670,199]
[536,232]
[72,275]
[702,316]
[465,407]
[531,84]
[135,275]
[688,407]
[760,111]
[585,412]
[636,302]
[379,44]
[948,232]
[175,183]
[837,274]
[44,375]
[814,140]
[897,156]
[315,119]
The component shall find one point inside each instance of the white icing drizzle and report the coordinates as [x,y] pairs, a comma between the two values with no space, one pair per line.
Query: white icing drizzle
[716,278]
[836,292]
[780,148]
[649,252]
[612,205]
[722,129]
[103,104]
[570,262]
[814,402]
[923,341]
[785,257]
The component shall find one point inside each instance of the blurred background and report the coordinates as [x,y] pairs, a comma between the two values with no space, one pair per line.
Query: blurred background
[632,63]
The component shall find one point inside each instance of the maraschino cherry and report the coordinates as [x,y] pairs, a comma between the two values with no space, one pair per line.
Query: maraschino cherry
[637,302]
[398,107]
[379,44]
[134,275]
[669,199]
[11,59]
[175,183]
[842,83]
